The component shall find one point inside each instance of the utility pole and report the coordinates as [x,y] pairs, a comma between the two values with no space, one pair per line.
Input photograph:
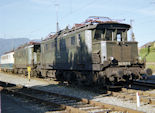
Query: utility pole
[57,23]
[132,34]
[71,6]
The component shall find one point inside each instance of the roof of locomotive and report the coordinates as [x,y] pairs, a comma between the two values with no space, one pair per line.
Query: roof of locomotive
[28,44]
[90,23]
[113,25]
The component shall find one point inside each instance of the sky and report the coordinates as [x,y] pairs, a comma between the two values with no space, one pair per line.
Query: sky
[35,19]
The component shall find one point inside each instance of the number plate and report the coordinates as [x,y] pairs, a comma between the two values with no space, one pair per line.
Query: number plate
[124,63]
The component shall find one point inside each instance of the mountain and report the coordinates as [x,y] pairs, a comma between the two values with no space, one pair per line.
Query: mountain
[10,44]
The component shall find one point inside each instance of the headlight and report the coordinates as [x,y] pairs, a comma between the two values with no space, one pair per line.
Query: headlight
[139,58]
[111,58]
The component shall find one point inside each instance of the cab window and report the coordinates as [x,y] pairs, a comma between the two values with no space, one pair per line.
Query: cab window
[111,35]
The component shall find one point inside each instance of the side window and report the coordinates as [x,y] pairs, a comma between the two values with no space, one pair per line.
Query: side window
[55,42]
[119,38]
[62,44]
[78,39]
[100,34]
[73,40]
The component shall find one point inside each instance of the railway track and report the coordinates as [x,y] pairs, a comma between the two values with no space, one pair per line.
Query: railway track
[130,94]
[63,103]
[144,83]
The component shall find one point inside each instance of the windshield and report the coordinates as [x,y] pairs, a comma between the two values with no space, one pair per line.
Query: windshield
[111,34]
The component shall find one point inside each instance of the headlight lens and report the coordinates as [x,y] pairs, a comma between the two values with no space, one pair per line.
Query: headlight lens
[139,58]
[111,58]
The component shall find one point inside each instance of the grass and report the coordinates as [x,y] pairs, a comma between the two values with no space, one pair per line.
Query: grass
[150,57]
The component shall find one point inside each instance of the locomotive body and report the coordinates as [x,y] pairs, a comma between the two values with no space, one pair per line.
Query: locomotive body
[27,55]
[92,53]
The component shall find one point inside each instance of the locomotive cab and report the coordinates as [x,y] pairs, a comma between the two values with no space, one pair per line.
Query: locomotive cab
[119,57]
[114,43]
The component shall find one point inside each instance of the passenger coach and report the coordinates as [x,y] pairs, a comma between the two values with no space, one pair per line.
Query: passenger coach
[7,61]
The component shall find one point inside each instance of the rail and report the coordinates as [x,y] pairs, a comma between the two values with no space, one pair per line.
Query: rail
[144,83]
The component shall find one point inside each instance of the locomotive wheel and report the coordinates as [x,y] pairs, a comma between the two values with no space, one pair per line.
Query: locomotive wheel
[43,73]
[25,72]
[34,72]
[15,71]
[71,78]
[59,76]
